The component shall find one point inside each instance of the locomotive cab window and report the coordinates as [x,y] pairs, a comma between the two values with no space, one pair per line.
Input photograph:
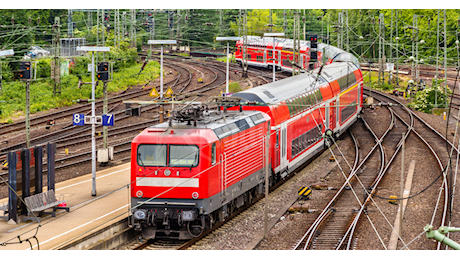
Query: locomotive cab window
[151,155]
[183,155]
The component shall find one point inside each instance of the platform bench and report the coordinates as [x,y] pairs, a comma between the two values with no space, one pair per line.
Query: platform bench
[41,202]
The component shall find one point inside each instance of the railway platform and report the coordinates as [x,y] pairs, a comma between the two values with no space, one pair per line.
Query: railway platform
[87,213]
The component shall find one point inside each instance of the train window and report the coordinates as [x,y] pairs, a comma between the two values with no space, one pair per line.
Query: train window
[260,58]
[319,96]
[233,126]
[277,138]
[183,155]
[219,131]
[151,155]
[225,128]
[213,154]
[257,119]
[300,103]
[296,105]
[304,141]
[305,100]
[289,105]
[242,124]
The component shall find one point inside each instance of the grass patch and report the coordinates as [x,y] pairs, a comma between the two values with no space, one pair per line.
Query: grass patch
[234,87]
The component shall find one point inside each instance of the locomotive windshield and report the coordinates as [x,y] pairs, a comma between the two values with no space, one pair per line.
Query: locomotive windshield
[160,155]
[183,155]
[151,155]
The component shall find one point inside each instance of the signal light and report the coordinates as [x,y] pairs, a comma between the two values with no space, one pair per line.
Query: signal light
[313,41]
[24,67]
[103,71]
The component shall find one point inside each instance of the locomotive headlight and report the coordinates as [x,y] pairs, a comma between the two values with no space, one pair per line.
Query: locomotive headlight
[167,172]
[139,214]
[139,193]
[195,195]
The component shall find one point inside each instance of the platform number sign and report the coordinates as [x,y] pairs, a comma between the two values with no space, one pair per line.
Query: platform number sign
[79,119]
[108,119]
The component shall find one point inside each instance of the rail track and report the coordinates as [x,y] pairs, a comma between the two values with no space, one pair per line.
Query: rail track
[336,225]
[440,148]
[328,231]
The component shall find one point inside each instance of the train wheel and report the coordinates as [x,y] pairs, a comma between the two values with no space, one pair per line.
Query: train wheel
[270,67]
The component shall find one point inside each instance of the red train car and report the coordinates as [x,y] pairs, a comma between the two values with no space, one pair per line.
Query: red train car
[185,177]
[260,53]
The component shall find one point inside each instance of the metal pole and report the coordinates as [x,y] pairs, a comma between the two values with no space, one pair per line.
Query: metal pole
[391,46]
[417,73]
[437,64]
[401,188]
[397,50]
[228,76]
[28,114]
[93,129]
[445,57]
[161,85]
[274,61]
[104,111]
[266,185]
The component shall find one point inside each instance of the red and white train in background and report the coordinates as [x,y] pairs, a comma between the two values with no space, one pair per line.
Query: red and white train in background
[260,53]
[186,176]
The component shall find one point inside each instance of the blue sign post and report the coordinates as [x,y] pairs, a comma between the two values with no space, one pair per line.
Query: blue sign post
[78,119]
[108,119]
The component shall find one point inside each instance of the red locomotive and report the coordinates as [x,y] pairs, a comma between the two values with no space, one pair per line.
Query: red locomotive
[202,165]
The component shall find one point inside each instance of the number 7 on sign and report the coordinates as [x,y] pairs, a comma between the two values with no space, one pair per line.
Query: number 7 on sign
[79,119]
[108,120]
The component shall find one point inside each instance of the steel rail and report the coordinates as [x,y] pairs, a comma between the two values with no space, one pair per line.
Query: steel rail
[310,232]
[446,190]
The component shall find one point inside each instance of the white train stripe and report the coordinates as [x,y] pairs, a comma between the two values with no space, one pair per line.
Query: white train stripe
[167,182]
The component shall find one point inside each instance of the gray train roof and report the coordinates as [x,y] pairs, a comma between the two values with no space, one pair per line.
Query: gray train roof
[289,87]
[331,52]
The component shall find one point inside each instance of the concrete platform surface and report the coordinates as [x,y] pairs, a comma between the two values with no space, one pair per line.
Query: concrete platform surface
[87,213]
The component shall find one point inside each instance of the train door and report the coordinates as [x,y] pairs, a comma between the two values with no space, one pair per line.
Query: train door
[326,116]
[283,146]
[332,120]
[337,111]
[277,147]
[221,169]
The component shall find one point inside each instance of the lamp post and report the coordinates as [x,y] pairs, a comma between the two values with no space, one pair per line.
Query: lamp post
[93,49]
[161,43]
[228,39]
[273,35]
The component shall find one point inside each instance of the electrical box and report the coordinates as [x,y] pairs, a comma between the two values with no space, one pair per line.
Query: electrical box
[103,155]
[110,153]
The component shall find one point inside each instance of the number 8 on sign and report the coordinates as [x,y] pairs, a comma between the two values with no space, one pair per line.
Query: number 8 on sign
[79,119]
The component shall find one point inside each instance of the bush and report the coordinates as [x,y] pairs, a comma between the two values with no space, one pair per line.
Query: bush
[425,100]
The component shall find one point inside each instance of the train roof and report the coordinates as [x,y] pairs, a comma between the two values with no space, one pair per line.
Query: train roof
[222,123]
[284,89]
